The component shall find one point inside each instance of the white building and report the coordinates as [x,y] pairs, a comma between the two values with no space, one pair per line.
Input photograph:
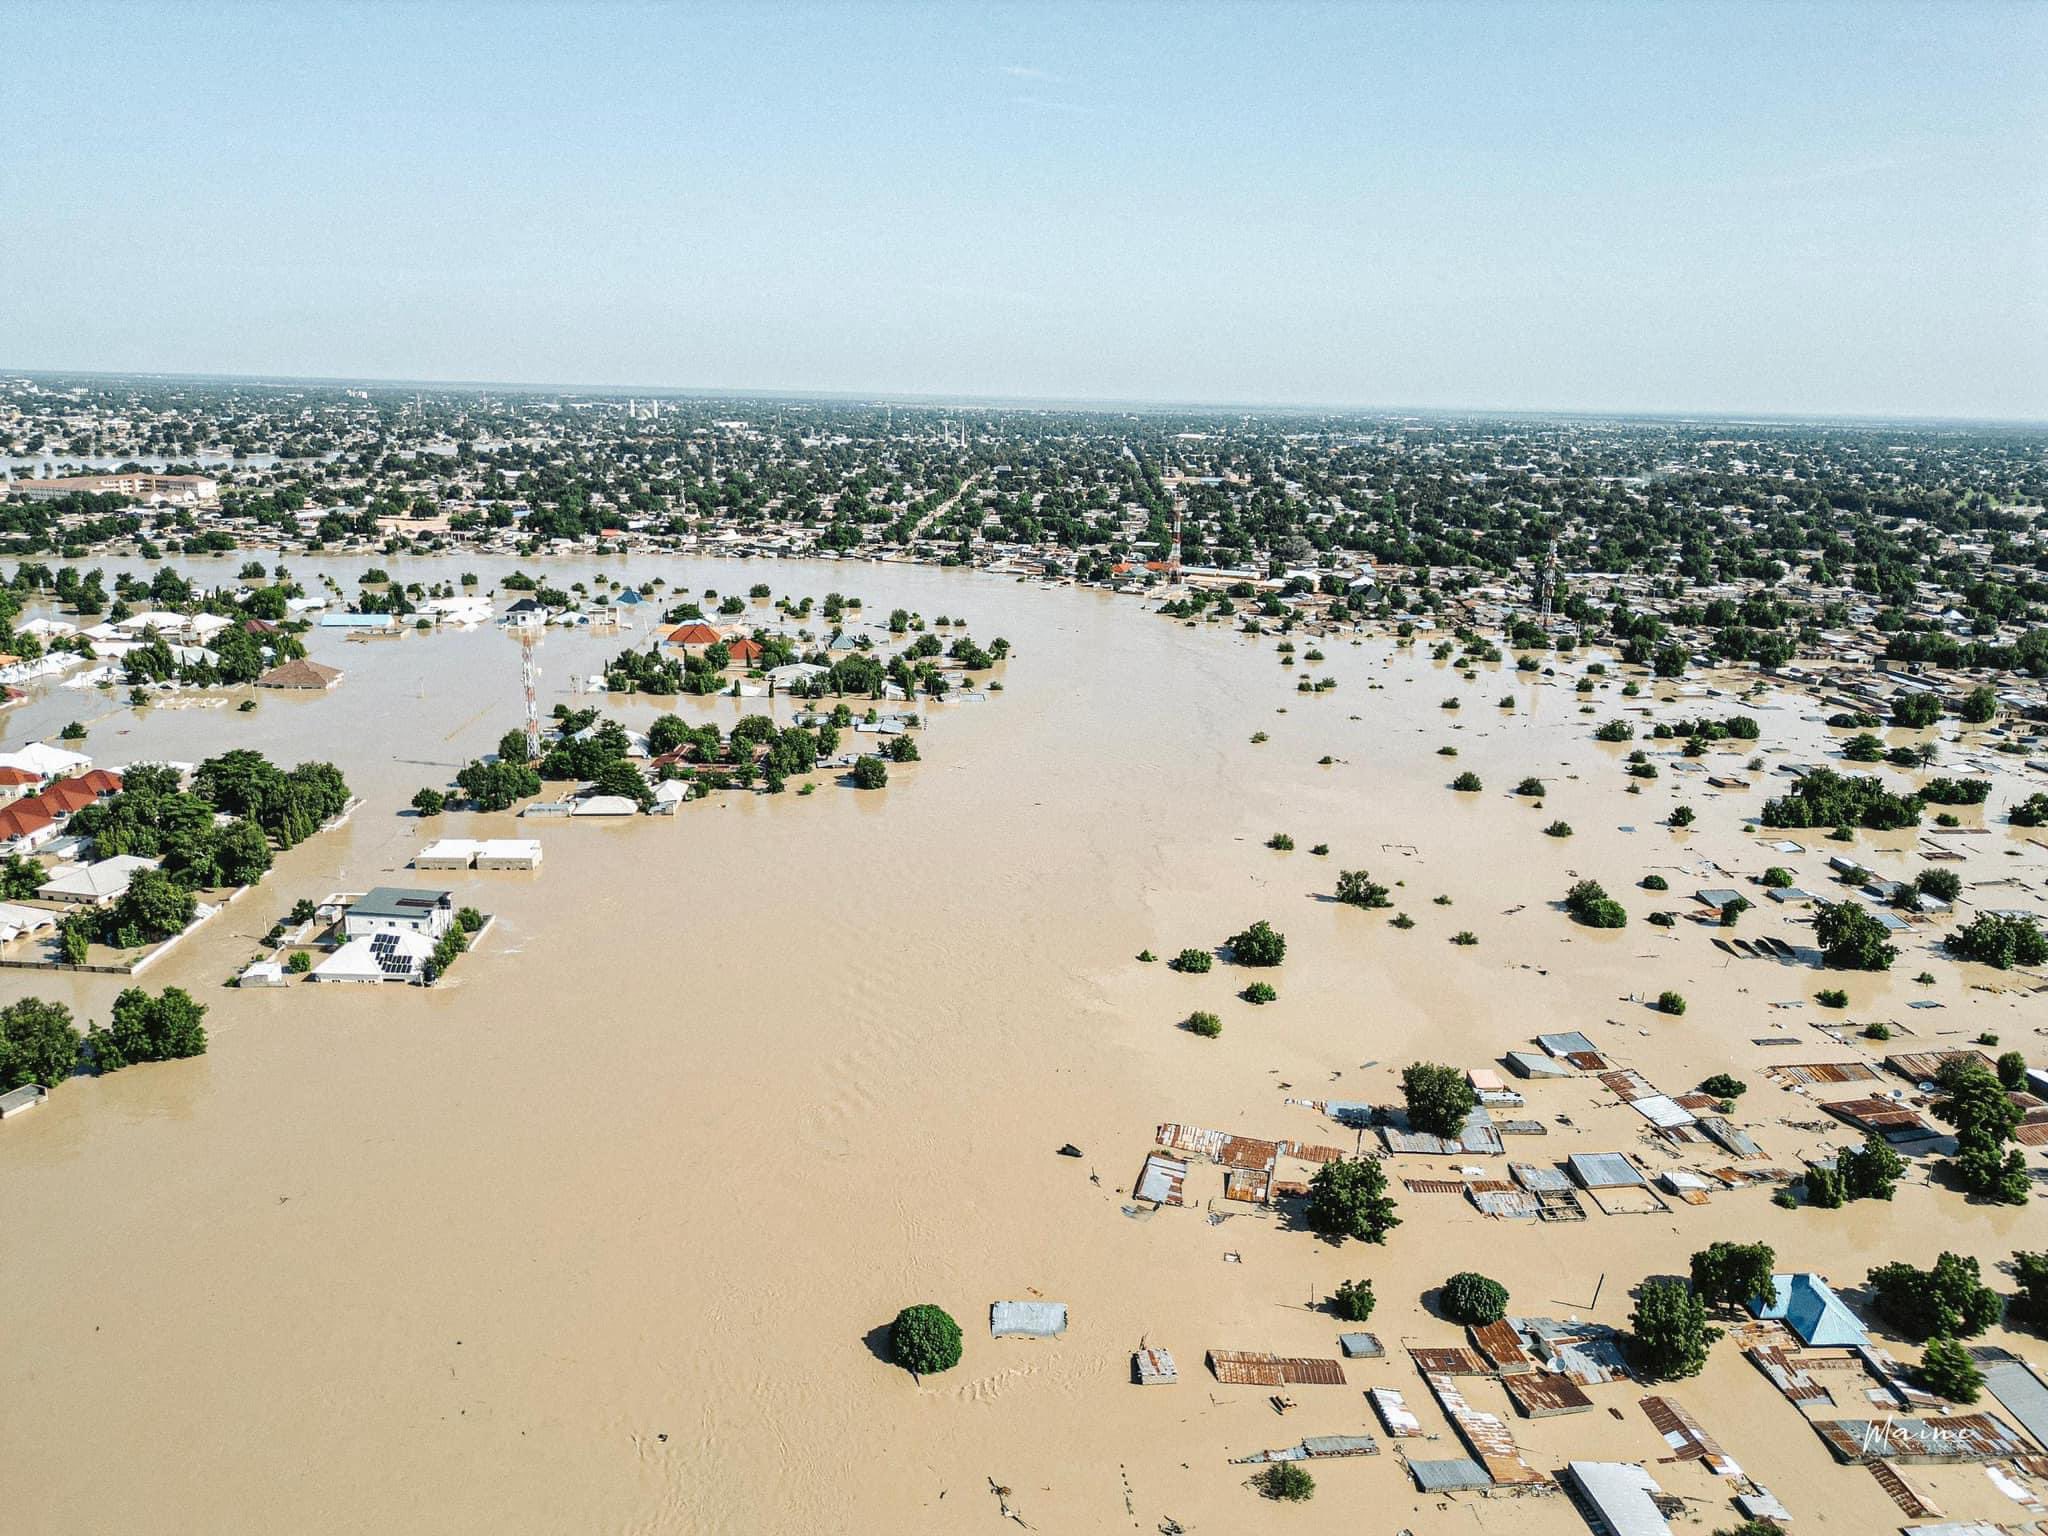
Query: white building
[393,909]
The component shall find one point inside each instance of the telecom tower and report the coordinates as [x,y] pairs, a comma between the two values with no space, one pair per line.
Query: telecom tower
[1546,582]
[529,678]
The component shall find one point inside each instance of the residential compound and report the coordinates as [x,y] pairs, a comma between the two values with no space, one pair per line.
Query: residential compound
[1776,543]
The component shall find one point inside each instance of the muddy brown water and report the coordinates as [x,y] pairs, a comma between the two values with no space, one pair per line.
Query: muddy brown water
[599,1235]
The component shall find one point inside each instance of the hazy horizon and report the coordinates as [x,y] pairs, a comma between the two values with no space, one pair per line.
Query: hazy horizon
[1807,211]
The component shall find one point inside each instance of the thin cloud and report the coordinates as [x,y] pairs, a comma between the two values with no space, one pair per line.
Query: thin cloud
[1048,104]
[1027,72]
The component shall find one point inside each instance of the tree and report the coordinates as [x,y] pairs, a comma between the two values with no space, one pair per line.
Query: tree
[1473,1299]
[1204,1023]
[1259,944]
[2029,1309]
[20,878]
[1730,1274]
[1916,711]
[2003,942]
[512,748]
[2012,1072]
[1980,705]
[1467,783]
[1348,1198]
[1352,1301]
[924,1339]
[1193,962]
[152,908]
[1984,1116]
[1871,1171]
[1852,940]
[162,1028]
[1439,1098]
[870,773]
[430,802]
[1950,1299]
[496,786]
[1671,1332]
[1589,903]
[38,1044]
[1356,888]
[619,777]
[1946,1368]
[1288,1481]
[241,853]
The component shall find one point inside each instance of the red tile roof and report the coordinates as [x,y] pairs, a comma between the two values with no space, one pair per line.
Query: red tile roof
[19,776]
[693,634]
[24,817]
[744,650]
[66,796]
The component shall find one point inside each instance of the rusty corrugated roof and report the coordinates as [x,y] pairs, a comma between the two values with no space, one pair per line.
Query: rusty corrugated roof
[1546,1394]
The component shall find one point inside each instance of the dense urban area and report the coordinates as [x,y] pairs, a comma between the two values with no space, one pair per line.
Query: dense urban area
[1606,858]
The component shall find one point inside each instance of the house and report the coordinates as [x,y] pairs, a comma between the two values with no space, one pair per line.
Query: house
[745,652]
[19,1101]
[392,909]
[16,782]
[1618,1497]
[693,636]
[446,853]
[25,825]
[94,885]
[66,796]
[45,761]
[508,853]
[303,674]
[17,920]
[1807,1305]
[605,805]
[392,955]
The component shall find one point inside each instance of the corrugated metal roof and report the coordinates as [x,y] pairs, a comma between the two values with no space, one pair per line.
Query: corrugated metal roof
[1162,1179]
[1360,1346]
[1314,1447]
[1394,1412]
[1486,1435]
[1027,1319]
[1529,1064]
[1628,1085]
[1532,1177]
[1924,1066]
[1546,1394]
[1218,1146]
[1618,1497]
[1451,1476]
[1604,1170]
[1254,1368]
[1154,1367]
[1499,1343]
[1809,1073]
[1442,1361]
[1960,1437]
[1730,1137]
[1502,1201]
[1892,1121]
[1689,1442]
[1566,1043]
[2020,1392]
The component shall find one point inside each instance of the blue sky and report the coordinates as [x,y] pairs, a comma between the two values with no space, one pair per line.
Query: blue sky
[1718,207]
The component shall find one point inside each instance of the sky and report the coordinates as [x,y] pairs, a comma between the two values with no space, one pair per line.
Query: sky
[1778,207]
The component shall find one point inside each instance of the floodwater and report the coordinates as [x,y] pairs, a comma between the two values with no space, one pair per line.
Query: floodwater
[601,1235]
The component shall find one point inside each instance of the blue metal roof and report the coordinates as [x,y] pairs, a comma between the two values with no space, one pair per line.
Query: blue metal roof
[1809,1307]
